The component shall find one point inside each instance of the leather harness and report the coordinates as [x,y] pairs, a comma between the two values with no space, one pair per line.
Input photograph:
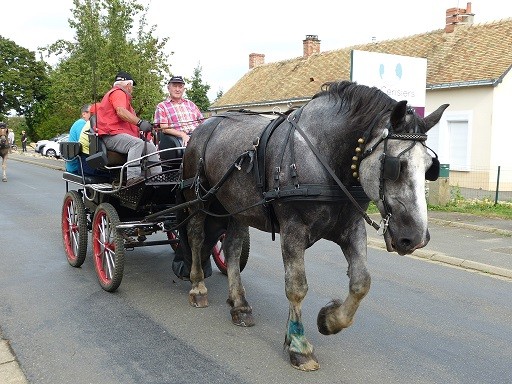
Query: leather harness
[295,192]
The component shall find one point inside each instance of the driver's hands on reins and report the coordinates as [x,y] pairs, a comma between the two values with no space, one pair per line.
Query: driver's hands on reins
[145,126]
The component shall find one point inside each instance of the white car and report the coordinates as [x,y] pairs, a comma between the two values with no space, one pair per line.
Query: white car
[41,143]
[52,148]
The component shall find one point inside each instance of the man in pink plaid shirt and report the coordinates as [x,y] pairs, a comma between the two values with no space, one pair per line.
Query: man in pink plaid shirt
[175,115]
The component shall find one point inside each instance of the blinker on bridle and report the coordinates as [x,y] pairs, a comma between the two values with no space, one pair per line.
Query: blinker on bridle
[390,165]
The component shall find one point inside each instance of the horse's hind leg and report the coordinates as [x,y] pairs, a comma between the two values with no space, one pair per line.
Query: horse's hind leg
[198,294]
[296,286]
[338,315]
[4,168]
[241,311]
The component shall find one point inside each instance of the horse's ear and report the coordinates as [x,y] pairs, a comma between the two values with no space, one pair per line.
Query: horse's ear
[398,113]
[434,117]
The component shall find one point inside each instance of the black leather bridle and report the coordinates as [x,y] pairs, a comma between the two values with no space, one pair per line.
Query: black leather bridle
[390,165]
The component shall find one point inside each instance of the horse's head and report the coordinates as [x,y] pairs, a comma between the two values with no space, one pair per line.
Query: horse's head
[3,135]
[395,163]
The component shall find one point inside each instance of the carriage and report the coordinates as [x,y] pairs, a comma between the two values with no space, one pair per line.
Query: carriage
[120,217]
[307,174]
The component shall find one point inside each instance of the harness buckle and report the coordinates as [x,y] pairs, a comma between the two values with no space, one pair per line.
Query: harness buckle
[383,225]
[277,173]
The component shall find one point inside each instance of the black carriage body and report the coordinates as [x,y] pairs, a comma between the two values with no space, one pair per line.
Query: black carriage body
[116,215]
[132,203]
[124,217]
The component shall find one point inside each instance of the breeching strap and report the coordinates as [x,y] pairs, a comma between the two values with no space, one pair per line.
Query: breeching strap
[333,175]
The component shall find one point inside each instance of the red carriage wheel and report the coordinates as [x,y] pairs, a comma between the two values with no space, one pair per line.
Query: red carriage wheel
[173,235]
[74,228]
[108,247]
[218,253]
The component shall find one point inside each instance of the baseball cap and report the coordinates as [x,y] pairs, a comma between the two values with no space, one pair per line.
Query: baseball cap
[123,76]
[176,79]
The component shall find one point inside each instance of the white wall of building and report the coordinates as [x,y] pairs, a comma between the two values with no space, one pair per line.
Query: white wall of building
[468,104]
[501,137]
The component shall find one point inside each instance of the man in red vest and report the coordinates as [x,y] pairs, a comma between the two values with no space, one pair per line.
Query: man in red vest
[120,128]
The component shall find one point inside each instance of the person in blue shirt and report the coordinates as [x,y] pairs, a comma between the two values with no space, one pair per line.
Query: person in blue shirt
[73,166]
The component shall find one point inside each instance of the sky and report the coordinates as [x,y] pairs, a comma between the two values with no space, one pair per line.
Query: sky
[219,35]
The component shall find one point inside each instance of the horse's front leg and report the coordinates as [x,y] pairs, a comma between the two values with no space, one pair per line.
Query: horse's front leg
[198,294]
[4,168]
[338,315]
[296,286]
[241,311]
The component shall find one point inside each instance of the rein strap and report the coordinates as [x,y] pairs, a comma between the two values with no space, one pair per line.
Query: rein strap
[322,160]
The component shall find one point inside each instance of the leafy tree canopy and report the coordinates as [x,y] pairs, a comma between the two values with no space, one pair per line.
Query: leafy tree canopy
[107,40]
[23,80]
[198,92]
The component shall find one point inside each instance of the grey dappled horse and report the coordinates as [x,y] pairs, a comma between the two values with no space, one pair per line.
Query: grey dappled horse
[293,177]
[4,150]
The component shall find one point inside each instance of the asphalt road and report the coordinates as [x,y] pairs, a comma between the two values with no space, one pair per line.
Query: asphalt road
[422,322]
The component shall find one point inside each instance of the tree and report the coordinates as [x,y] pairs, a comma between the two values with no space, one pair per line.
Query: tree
[23,79]
[198,92]
[105,43]
[219,94]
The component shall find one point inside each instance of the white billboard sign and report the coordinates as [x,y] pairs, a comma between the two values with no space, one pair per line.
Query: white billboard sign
[401,77]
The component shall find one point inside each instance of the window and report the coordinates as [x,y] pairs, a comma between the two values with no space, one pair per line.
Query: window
[450,139]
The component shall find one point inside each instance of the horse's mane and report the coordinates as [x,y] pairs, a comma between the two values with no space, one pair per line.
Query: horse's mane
[359,102]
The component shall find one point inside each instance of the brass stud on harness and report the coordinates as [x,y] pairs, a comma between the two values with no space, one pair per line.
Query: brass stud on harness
[355,159]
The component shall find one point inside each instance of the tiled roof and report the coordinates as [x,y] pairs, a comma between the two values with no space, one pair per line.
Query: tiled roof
[475,54]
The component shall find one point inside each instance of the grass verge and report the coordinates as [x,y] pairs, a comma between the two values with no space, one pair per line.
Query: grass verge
[483,208]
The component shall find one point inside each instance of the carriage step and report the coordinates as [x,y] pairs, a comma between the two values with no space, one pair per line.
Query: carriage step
[101,187]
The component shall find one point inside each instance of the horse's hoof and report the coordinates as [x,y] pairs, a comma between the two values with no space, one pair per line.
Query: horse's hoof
[304,362]
[242,319]
[324,318]
[198,301]
[4,179]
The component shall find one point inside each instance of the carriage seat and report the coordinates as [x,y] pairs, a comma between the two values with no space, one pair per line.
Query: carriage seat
[70,149]
[100,156]
[169,141]
[170,159]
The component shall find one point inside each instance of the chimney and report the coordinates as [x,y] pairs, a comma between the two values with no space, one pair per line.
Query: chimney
[256,59]
[311,45]
[458,16]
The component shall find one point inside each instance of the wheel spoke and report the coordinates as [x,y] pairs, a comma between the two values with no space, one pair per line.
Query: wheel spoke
[74,228]
[110,263]
[74,239]
[108,247]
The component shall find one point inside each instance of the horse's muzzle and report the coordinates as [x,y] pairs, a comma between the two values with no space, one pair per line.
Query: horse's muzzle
[405,245]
